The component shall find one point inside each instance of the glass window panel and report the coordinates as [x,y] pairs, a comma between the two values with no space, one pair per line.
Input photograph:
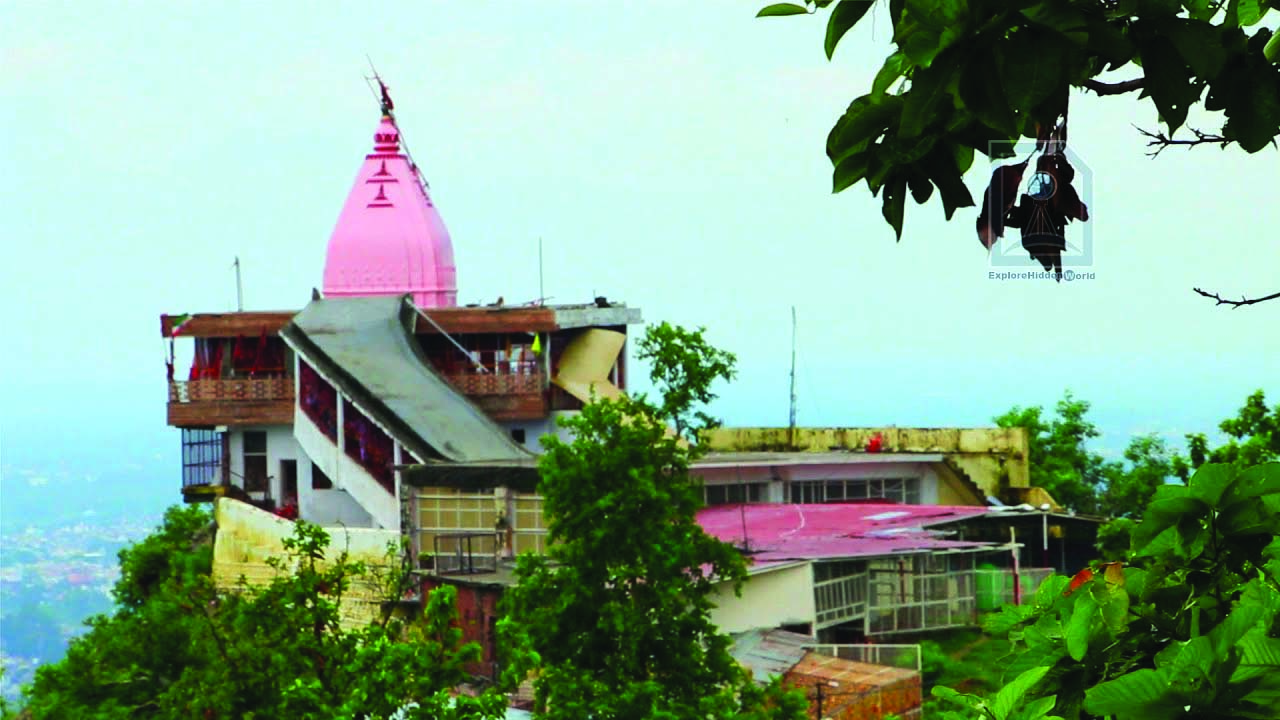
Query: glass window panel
[255,442]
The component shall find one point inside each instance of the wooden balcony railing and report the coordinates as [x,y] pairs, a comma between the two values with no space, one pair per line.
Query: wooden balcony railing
[232,389]
[232,401]
[497,383]
[504,396]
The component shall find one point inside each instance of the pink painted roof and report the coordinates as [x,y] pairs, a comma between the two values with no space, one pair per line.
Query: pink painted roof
[777,532]
[389,239]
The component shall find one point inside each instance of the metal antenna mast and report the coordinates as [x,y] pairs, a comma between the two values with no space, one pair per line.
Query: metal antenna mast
[383,96]
[239,286]
[792,421]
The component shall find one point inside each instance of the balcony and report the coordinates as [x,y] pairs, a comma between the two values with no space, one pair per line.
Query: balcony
[504,395]
[231,401]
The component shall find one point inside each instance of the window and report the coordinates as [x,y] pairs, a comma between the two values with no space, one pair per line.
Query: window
[733,494]
[202,454]
[320,481]
[255,461]
[894,490]
[289,481]
[518,435]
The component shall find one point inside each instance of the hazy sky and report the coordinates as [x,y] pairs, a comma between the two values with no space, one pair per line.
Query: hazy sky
[670,154]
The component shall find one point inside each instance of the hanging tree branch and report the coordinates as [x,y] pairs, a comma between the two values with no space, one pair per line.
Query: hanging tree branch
[1237,303]
[1160,141]
[1120,88]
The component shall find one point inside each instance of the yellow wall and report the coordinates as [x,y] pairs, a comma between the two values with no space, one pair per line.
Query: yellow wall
[770,598]
[994,458]
[247,537]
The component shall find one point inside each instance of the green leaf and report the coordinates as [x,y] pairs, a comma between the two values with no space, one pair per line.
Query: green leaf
[928,27]
[866,120]
[845,15]
[1228,632]
[983,95]
[1110,43]
[1038,709]
[849,171]
[1168,80]
[1081,626]
[782,9]
[1253,120]
[1031,63]
[1067,20]
[1249,12]
[894,204]
[1171,506]
[1199,44]
[1050,591]
[1247,518]
[921,188]
[895,66]
[1261,656]
[1011,696]
[928,87]
[1201,9]
[1271,51]
[1114,603]
[1211,481]
[940,167]
[1139,694]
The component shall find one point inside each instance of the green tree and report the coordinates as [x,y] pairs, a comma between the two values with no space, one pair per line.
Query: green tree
[1131,485]
[1059,461]
[968,76]
[1253,437]
[177,647]
[615,618]
[1190,630]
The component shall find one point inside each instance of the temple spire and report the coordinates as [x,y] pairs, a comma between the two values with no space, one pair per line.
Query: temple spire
[390,238]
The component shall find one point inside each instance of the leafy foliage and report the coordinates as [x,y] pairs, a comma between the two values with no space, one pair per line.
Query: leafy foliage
[615,618]
[1190,630]
[176,647]
[1131,485]
[978,75]
[683,367]
[1253,438]
[1059,461]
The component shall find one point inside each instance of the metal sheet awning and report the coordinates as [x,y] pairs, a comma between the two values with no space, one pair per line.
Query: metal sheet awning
[365,346]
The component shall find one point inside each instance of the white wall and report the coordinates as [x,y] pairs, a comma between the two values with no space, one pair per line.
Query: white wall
[384,507]
[535,429]
[334,506]
[770,598]
[280,446]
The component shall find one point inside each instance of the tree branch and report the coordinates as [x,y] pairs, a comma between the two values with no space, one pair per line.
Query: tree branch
[1237,303]
[1160,141]
[1119,88]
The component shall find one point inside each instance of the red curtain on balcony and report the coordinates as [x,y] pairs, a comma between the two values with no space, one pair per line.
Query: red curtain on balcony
[319,400]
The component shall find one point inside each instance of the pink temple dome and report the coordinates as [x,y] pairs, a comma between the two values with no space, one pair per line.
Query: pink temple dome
[389,239]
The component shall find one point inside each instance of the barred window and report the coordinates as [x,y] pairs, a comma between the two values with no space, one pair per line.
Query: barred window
[733,494]
[897,490]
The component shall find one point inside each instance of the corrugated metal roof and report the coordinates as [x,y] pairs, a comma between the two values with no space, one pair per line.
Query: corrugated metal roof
[850,676]
[365,346]
[767,653]
[776,532]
